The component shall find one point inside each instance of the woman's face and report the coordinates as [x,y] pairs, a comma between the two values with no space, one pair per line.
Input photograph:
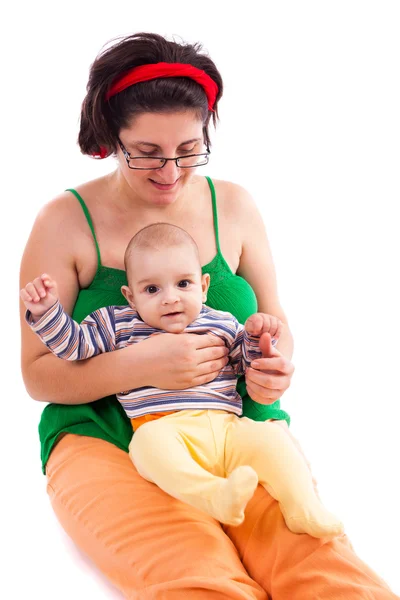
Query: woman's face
[165,135]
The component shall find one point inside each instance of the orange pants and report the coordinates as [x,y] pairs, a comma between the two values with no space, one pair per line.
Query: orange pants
[152,546]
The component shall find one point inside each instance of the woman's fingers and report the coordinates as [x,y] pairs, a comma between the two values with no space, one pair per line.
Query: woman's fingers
[205,355]
[266,380]
[261,394]
[210,348]
[266,347]
[211,356]
[206,378]
[279,364]
[212,365]
[207,340]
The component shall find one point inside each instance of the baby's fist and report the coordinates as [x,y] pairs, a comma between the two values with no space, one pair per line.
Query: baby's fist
[39,295]
[260,323]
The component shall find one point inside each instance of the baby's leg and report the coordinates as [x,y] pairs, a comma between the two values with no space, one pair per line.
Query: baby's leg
[168,455]
[283,472]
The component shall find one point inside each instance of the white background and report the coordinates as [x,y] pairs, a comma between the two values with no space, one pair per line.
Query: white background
[310,124]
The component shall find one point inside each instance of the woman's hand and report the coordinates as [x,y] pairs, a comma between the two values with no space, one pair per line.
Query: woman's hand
[268,377]
[180,361]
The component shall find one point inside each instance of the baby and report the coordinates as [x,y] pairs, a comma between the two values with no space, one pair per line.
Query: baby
[192,443]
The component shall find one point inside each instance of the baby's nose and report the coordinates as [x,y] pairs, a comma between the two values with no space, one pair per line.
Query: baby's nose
[170,296]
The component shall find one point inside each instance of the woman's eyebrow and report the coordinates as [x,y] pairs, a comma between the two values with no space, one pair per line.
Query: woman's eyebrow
[143,143]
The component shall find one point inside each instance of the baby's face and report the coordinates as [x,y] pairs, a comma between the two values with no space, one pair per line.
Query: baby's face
[167,287]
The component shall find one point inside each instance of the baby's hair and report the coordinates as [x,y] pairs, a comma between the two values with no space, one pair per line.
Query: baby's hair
[159,236]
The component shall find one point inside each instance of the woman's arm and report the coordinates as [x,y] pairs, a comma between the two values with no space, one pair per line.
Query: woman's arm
[51,247]
[257,267]
[272,377]
[163,361]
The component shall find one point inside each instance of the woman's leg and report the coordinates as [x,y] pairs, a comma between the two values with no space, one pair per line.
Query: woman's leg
[298,566]
[148,544]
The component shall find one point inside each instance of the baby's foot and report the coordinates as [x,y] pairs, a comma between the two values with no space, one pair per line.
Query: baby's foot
[313,519]
[234,495]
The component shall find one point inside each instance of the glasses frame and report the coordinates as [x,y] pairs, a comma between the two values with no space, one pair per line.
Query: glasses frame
[128,157]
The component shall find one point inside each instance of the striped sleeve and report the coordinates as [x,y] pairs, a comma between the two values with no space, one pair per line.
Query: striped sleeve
[71,341]
[244,349]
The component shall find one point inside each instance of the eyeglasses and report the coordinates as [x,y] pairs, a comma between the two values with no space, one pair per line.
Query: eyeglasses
[147,163]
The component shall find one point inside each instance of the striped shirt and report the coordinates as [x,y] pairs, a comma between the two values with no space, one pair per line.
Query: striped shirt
[115,327]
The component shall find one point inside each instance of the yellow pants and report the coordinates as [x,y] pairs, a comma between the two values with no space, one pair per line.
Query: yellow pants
[213,460]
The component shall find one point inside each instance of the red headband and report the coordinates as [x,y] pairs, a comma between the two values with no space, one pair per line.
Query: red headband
[157,71]
[162,69]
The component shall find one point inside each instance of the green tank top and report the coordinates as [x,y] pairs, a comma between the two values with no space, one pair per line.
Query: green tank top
[106,418]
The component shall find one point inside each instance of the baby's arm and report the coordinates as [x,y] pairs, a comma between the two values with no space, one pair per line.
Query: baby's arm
[61,334]
[245,347]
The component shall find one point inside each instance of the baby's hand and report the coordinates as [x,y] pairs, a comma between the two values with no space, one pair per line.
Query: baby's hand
[39,295]
[262,323]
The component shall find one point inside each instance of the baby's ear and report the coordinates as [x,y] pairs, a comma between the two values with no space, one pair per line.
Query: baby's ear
[126,292]
[205,284]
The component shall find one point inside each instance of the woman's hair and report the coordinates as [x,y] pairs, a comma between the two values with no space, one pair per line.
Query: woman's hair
[102,120]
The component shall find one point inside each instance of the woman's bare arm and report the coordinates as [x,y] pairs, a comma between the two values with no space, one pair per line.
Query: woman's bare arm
[268,377]
[55,241]
[50,247]
[257,267]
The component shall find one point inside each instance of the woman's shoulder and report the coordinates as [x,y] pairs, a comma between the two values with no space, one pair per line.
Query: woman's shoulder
[55,219]
[65,207]
[61,222]
[61,236]
[228,187]
[232,198]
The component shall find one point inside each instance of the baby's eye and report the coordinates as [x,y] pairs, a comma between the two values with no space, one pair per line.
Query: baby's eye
[184,283]
[151,289]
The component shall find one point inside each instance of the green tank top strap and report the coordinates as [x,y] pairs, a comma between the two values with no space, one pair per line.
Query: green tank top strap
[90,222]
[215,212]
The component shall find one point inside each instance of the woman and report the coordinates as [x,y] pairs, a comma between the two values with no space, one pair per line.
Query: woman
[149,102]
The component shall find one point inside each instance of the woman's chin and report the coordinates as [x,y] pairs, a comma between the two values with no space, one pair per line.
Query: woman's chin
[163,201]
[164,196]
